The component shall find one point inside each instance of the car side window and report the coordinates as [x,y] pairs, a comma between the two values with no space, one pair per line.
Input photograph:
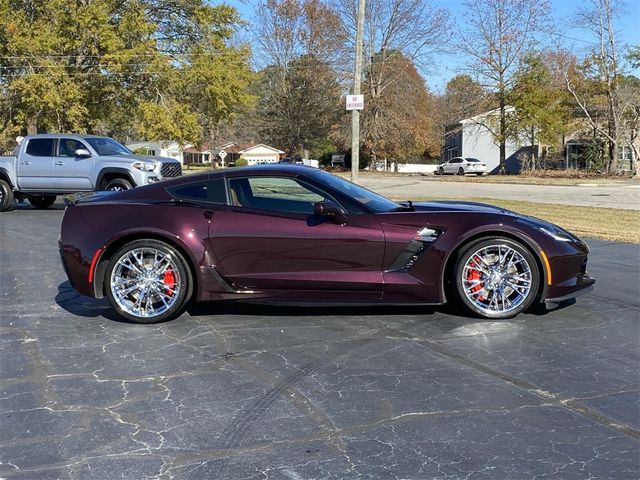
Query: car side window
[281,194]
[40,147]
[209,191]
[67,147]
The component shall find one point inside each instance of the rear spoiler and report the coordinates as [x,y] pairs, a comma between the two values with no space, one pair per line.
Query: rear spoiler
[72,200]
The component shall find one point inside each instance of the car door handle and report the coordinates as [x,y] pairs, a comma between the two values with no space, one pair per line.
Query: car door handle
[25,163]
[59,164]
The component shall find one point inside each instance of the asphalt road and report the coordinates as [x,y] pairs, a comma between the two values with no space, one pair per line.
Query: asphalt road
[229,391]
[625,196]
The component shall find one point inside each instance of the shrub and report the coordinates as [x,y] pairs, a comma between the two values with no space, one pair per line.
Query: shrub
[241,162]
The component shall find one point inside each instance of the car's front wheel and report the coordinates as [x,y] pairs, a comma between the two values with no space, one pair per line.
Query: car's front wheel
[441,171]
[496,277]
[42,201]
[148,281]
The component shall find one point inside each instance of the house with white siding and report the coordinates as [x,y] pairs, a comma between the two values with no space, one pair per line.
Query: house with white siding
[473,137]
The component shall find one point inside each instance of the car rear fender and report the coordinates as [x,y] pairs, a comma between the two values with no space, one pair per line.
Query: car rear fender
[124,237]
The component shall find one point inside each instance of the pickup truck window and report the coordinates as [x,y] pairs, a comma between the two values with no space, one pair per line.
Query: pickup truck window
[67,147]
[40,147]
[107,146]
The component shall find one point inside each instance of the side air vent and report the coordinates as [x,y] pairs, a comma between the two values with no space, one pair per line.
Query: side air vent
[416,247]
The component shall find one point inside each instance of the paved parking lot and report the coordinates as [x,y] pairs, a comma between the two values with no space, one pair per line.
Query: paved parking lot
[231,391]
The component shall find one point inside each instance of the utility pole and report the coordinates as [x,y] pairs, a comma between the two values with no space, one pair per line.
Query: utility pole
[355,114]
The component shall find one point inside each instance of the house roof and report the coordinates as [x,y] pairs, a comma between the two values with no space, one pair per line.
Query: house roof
[240,148]
[248,149]
[479,117]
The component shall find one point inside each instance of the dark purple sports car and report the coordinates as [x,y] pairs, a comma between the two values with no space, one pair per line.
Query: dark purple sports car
[291,234]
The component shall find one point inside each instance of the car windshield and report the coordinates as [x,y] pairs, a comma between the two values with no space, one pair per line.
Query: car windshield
[473,160]
[107,146]
[371,200]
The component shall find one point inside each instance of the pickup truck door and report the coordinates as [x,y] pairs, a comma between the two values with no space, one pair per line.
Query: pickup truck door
[72,174]
[35,165]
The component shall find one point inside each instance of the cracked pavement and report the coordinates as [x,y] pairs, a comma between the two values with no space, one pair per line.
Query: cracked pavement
[255,392]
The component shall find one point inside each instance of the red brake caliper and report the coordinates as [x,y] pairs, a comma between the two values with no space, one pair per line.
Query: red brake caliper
[474,275]
[169,281]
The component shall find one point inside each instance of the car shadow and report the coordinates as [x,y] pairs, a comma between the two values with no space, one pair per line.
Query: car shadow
[73,302]
[273,310]
[27,206]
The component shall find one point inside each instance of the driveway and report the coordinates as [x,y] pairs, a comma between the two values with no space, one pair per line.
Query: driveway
[232,391]
[626,196]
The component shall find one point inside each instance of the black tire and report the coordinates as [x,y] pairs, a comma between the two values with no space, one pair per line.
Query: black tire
[117,185]
[527,262]
[6,197]
[181,269]
[461,171]
[441,171]
[42,201]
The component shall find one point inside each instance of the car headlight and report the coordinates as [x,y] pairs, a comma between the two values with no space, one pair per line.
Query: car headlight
[557,234]
[144,166]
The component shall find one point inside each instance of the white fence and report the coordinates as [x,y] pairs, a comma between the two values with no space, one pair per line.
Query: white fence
[415,168]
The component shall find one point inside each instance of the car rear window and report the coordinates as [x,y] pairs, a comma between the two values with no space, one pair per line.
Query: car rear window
[210,191]
[40,147]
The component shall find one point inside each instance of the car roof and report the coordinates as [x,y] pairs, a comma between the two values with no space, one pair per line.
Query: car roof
[290,170]
[65,135]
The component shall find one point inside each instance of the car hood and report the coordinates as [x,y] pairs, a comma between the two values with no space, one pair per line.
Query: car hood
[455,206]
[138,158]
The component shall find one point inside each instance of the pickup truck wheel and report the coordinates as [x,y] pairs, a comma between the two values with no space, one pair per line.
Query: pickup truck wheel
[117,185]
[42,201]
[6,196]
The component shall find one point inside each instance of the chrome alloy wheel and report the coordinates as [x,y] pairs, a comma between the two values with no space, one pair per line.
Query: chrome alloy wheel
[497,279]
[145,282]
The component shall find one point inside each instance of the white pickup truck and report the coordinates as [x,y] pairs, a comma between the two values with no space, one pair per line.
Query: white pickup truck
[45,166]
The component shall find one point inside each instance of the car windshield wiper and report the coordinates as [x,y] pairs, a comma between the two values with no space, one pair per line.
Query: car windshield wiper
[404,207]
[179,203]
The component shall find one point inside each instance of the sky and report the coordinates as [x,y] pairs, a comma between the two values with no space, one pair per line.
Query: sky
[573,37]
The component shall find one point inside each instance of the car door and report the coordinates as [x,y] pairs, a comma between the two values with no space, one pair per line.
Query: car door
[452,166]
[35,165]
[72,173]
[270,239]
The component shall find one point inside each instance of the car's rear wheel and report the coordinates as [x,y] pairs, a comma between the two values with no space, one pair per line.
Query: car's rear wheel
[6,196]
[496,277]
[461,171]
[42,201]
[148,281]
[117,185]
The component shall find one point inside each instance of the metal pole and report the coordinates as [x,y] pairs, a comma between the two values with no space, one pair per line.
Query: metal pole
[355,114]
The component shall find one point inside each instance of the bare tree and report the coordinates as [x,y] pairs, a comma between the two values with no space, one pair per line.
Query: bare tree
[496,36]
[602,68]
[398,36]
[299,96]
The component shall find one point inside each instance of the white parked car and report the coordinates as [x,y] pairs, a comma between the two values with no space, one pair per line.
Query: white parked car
[460,166]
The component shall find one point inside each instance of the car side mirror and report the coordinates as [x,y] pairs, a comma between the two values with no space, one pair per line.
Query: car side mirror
[331,210]
[82,152]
